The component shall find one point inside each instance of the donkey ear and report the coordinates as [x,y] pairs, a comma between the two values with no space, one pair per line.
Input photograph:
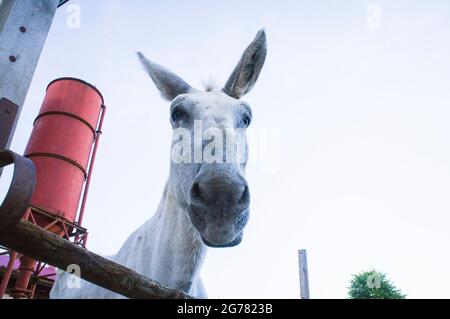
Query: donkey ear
[246,72]
[169,84]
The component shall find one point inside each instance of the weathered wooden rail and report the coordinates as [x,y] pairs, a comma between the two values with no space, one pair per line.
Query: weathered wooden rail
[31,240]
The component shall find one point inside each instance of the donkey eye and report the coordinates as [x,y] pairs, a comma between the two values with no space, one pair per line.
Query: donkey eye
[178,115]
[246,120]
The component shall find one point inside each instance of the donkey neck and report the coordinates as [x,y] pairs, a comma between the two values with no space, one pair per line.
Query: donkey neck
[178,250]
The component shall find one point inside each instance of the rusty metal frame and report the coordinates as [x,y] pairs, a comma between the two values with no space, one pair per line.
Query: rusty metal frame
[74,228]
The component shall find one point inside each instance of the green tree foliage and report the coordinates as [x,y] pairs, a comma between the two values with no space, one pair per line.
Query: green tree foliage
[373,285]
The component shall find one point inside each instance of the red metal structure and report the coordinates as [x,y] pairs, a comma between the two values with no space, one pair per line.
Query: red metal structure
[62,146]
[40,284]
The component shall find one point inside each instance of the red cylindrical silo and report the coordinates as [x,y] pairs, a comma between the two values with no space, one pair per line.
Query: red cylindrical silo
[60,146]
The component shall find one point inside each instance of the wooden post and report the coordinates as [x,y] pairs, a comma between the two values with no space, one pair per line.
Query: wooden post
[24,25]
[303,268]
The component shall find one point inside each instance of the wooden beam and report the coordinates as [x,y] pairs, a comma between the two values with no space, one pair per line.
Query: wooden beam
[24,26]
[42,245]
[303,269]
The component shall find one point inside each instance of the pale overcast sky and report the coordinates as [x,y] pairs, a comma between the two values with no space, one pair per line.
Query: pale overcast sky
[359,93]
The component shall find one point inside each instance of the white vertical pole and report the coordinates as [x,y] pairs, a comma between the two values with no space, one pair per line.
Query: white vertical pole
[303,269]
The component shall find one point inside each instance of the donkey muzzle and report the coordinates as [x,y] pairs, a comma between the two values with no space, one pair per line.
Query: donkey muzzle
[219,207]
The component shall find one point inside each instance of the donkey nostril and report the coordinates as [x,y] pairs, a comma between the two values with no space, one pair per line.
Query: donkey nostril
[244,201]
[197,194]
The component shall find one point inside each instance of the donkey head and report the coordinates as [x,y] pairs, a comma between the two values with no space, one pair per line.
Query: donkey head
[209,146]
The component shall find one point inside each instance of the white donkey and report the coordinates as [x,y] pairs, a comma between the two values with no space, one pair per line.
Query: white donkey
[203,204]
